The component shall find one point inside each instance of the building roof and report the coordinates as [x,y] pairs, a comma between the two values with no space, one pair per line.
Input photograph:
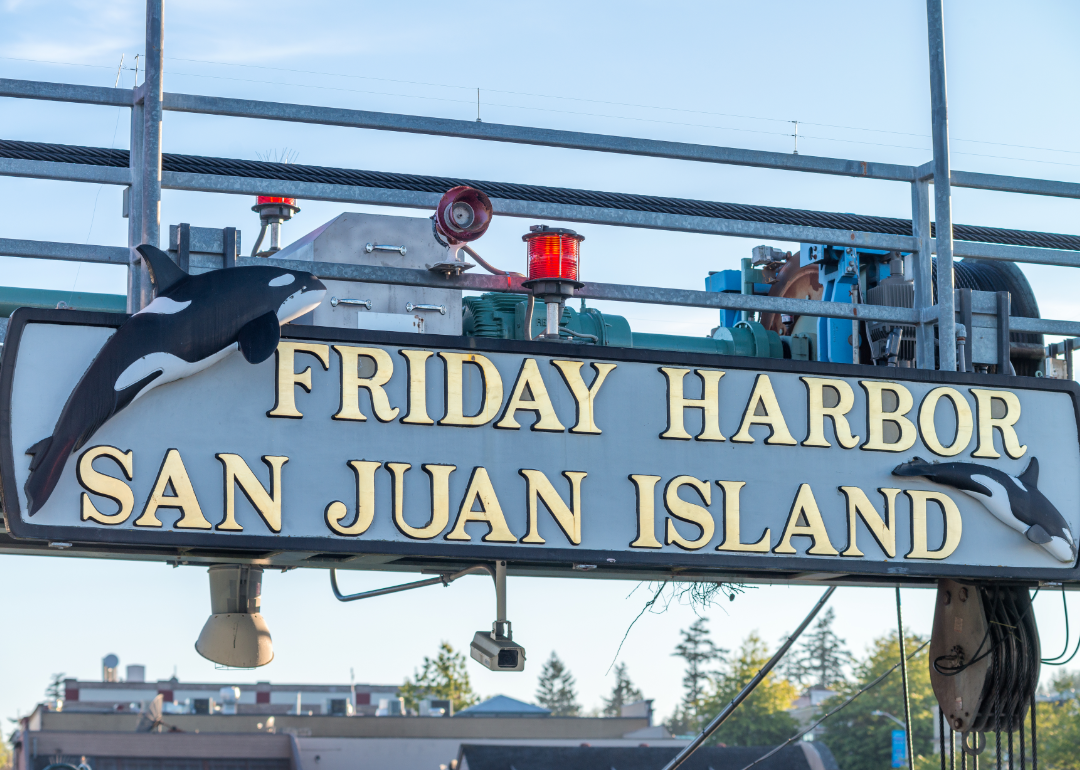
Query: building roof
[501,705]
[800,756]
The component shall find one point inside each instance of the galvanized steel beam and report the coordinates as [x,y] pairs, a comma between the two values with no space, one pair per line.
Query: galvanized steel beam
[68,252]
[942,189]
[1015,184]
[539,210]
[1044,326]
[65,92]
[606,291]
[1016,253]
[543,137]
[67,172]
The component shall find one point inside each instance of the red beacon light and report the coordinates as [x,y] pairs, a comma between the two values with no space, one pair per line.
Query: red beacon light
[272,211]
[554,257]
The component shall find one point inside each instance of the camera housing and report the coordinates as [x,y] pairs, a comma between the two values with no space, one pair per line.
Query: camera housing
[496,650]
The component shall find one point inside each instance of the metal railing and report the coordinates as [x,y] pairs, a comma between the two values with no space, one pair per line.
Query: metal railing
[145,179]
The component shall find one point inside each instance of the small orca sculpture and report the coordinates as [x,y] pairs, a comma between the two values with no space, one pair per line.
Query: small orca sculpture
[193,322]
[1014,500]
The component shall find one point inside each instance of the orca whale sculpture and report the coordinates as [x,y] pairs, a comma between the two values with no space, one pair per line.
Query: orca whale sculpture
[194,322]
[1015,500]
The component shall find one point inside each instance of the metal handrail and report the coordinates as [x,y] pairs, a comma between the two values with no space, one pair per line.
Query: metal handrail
[446,579]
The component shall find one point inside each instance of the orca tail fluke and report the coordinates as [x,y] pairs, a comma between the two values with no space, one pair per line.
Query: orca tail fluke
[46,466]
[916,467]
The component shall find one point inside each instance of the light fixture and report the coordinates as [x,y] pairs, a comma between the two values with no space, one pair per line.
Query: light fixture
[463,215]
[236,634]
[272,211]
[554,258]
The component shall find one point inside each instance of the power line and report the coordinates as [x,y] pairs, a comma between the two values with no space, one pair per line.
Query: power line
[842,706]
[587,114]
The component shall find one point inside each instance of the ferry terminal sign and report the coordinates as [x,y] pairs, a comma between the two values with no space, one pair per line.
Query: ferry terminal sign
[429,446]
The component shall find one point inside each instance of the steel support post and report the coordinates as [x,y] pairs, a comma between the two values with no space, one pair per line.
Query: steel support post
[904,680]
[942,187]
[152,99]
[137,274]
[922,271]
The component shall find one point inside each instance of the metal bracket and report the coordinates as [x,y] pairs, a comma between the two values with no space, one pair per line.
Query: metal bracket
[409,307]
[370,247]
[445,578]
[365,303]
[500,629]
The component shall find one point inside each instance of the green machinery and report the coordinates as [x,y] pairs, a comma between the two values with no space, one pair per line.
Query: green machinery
[502,316]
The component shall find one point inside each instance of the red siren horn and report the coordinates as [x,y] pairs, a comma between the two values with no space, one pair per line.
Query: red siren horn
[463,215]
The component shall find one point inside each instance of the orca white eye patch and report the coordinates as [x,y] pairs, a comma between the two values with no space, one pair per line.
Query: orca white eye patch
[283,280]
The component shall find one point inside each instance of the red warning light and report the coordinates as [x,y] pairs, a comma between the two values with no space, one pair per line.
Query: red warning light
[554,253]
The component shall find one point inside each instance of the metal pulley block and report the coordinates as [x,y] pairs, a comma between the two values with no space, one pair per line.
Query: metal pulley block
[984,655]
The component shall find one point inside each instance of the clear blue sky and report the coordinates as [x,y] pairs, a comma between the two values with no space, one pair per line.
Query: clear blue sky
[854,75]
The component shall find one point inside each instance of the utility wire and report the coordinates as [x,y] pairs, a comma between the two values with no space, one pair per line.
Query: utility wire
[836,710]
[590,114]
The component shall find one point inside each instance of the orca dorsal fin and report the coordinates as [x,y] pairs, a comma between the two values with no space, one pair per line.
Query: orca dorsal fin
[1030,477]
[164,273]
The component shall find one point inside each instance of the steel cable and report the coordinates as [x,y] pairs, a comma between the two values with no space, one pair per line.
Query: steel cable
[291,172]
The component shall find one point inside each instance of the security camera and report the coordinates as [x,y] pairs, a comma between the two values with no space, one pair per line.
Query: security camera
[497,650]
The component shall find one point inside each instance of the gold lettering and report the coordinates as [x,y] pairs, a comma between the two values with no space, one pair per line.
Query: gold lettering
[764,398]
[352,382]
[732,535]
[173,474]
[985,400]
[440,503]
[805,508]
[539,402]
[952,523]
[107,486]
[690,512]
[883,530]
[364,470]
[645,490]
[490,512]
[928,427]
[416,362]
[817,412]
[877,416]
[584,397]
[455,396]
[266,504]
[288,378]
[568,517]
[709,404]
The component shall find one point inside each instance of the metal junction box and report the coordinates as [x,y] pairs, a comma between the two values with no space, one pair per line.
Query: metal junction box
[389,241]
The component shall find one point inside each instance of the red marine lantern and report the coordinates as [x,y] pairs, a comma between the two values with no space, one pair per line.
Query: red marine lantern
[272,211]
[554,256]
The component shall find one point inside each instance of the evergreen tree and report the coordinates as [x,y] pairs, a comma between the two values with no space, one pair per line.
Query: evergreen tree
[862,741]
[555,690]
[700,654]
[624,692]
[762,719]
[443,677]
[55,690]
[820,657]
